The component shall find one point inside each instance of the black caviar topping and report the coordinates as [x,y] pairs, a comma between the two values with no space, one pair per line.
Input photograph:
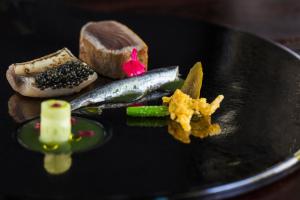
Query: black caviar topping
[67,75]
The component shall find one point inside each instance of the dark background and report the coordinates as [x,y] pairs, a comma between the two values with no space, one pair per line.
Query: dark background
[278,20]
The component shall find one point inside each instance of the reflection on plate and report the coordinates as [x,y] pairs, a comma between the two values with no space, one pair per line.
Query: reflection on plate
[86,135]
[201,127]
[56,164]
[22,108]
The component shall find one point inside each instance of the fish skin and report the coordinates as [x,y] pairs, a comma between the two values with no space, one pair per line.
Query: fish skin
[148,97]
[143,84]
[98,109]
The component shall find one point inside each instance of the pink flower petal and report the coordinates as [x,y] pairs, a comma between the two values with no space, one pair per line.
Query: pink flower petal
[133,67]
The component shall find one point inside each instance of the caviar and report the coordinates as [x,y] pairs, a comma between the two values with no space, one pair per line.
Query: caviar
[67,75]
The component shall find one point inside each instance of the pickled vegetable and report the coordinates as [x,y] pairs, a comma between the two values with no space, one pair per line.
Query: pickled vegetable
[55,122]
[193,82]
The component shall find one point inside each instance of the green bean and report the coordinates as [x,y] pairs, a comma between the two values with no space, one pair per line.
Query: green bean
[147,111]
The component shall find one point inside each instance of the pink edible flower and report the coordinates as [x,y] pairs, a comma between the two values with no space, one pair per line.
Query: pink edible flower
[133,67]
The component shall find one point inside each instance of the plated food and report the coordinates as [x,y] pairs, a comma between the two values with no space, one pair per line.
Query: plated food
[249,129]
[55,122]
[182,106]
[106,45]
[59,139]
[56,74]
[129,89]
[111,49]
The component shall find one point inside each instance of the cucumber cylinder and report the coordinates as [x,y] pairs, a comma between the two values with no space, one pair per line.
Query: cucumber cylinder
[55,122]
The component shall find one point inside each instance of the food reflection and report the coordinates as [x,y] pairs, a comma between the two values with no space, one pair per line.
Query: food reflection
[57,157]
[150,122]
[86,134]
[56,164]
[23,108]
[200,128]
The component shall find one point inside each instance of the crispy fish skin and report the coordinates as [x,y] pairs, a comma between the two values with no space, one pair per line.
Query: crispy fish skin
[142,85]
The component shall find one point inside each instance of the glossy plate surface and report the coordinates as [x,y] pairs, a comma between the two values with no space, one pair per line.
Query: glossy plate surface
[260,116]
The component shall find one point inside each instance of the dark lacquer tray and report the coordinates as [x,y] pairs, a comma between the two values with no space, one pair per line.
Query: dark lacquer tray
[259,117]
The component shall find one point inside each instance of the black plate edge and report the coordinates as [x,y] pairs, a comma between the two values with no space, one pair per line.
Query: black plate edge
[259,180]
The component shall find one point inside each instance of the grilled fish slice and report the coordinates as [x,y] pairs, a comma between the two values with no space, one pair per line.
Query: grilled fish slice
[43,63]
[106,45]
[136,87]
[22,76]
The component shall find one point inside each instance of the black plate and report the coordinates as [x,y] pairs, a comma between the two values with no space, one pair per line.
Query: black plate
[259,117]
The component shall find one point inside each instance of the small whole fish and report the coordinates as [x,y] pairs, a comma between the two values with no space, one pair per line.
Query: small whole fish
[128,89]
[98,109]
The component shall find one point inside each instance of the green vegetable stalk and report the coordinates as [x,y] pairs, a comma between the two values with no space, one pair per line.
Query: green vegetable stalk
[147,111]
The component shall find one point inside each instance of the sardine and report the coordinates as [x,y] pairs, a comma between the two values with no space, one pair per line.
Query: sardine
[135,87]
[148,97]
[97,110]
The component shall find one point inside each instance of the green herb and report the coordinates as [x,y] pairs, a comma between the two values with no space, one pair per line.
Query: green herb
[147,111]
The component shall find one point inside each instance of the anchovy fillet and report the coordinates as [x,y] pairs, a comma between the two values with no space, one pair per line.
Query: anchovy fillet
[139,86]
